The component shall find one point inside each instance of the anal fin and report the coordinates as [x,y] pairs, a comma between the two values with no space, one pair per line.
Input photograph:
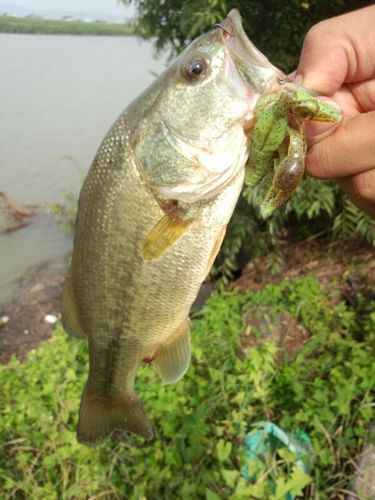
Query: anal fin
[164,234]
[173,357]
[98,418]
[70,319]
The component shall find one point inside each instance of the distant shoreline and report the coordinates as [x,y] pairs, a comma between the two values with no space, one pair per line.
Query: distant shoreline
[62,27]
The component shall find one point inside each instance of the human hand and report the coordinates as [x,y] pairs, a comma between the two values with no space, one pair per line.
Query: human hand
[338,60]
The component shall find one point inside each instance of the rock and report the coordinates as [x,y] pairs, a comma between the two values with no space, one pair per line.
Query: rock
[50,318]
[37,288]
[4,320]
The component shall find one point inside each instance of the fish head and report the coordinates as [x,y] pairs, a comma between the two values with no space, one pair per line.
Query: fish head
[255,69]
[217,79]
[204,108]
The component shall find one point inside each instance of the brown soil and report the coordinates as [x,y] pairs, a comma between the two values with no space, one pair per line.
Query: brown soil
[38,295]
[349,267]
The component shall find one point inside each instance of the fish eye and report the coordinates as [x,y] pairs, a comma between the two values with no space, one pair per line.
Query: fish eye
[195,69]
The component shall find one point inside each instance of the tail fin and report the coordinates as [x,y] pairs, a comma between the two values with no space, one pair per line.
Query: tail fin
[97,419]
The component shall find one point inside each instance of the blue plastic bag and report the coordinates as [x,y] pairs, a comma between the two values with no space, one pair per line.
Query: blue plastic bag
[261,445]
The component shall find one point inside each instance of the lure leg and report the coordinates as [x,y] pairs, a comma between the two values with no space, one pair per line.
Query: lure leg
[267,136]
[288,173]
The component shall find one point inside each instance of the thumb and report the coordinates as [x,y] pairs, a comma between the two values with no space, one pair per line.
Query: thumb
[338,50]
[324,75]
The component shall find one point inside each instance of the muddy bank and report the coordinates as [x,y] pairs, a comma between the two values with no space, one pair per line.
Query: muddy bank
[348,267]
[33,311]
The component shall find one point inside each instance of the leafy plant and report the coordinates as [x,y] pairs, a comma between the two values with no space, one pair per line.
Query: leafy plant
[325,390]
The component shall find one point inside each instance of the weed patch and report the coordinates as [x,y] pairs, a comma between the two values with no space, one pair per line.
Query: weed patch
[325,390]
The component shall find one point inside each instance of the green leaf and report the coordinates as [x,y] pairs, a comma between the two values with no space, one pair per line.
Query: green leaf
[286,454]
[223,449]
[294,484]
[211,495]
[230,476]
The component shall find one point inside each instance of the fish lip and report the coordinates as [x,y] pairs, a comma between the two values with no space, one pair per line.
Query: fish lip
[256,69]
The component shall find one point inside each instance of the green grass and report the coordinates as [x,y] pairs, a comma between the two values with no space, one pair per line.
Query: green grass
[200,422]
[54,27]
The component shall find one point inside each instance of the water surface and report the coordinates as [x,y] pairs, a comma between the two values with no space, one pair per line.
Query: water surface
[58,97]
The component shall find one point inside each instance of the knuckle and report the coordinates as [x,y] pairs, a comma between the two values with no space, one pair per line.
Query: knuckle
[363,188]
[316,32]
[319,161]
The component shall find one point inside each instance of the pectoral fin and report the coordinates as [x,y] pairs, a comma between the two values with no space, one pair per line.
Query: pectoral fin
[172,358]
[164,234]
[69,311]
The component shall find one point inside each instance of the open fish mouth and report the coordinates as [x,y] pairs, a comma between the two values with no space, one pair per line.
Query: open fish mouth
[255,69]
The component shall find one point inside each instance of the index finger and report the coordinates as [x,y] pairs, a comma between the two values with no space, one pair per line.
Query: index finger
[349,150]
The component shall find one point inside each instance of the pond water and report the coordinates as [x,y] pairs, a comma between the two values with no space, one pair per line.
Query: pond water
[58,97]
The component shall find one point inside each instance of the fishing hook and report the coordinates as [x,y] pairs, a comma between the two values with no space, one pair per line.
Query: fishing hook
[218,25]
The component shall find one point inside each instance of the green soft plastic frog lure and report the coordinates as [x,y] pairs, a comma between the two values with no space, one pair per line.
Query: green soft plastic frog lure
[278,141]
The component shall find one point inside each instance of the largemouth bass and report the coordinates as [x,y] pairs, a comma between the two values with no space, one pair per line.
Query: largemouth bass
[152,215]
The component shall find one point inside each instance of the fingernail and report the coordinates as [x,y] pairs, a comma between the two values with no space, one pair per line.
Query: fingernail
[317,131]
[331,103]
[312,85]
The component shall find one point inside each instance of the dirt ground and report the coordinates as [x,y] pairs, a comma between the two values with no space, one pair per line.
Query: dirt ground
[350,267]
[37,301]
